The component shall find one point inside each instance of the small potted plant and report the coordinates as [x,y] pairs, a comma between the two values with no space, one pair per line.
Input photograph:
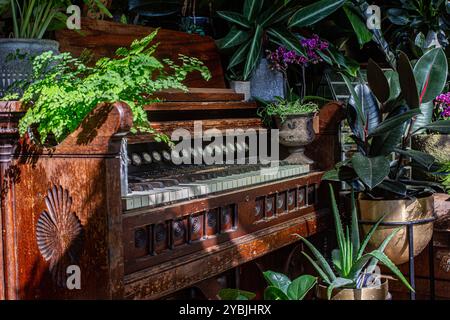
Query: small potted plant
[293,116]
[353,274]
[280,287]
[380,169]
[30,21]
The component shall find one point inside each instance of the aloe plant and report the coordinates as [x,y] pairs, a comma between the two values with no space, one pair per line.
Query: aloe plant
[259,26]
[32,18]
[351,267]
[402,107]
[280,287]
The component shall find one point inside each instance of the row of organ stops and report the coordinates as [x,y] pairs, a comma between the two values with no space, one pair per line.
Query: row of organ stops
[147,158]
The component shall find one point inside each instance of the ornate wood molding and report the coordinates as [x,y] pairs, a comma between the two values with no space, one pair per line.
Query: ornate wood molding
[59,234]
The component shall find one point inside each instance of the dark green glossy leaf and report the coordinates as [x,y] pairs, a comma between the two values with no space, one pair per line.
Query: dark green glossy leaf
[407,81]
[300,287]
[272,14]
[274,293]
[441,126]
[422,158]
[288,39]
[425,117]
[394,122]
[235,18]
[398,16]
[359,26]
[234,38]
[378,82]
[393,187]
[254,52]
[314,12]
[431,74]
[252,8]
[239,56]
[235,294]
[277,279]
[371,171]
[358,101]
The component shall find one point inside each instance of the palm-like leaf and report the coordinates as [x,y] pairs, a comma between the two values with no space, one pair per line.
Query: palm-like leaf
[315,12]
[254,52]
[235,18]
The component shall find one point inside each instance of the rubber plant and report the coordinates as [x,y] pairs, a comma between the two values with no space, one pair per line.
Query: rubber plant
[280,287]
[351,267]
[385,127]
[260,25]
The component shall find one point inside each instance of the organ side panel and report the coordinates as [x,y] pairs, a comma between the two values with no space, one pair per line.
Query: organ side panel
[67,213]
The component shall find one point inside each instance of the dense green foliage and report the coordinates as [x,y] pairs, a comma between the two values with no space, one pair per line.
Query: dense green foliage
[352,268]
[280,287]
[32,18]
[68,90]
[383,117]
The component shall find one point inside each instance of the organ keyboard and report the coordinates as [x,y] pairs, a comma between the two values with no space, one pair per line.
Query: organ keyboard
[136,224]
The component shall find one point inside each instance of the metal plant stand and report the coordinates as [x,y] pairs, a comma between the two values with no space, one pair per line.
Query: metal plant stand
[410,233]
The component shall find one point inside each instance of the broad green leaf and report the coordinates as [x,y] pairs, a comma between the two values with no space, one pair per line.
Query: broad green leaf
[320,259]
[422,158]
[359,26]
[274,293]
[254,52]
[371,171]
[441,126]
[252,8]
[236,294]
[378,82]
[431,74]
[394,122]
[358,105]
[337,283]
[394,84]
[239,56]
[314,12]
[268,17]
[299,287]
[425,117]
[235,18]
[277,279]
[287,39]
[234,38]
[393,187]
[407,81]
[391,266]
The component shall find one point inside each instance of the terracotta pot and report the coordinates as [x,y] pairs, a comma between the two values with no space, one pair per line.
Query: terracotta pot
[398,211]
[380,292]
[296,132]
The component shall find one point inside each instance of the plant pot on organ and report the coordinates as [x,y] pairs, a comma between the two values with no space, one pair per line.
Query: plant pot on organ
[384,117]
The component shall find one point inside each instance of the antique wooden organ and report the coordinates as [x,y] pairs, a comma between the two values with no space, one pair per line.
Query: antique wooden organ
[138,226]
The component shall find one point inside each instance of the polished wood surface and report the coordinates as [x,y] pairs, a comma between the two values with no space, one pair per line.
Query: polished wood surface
[102,38]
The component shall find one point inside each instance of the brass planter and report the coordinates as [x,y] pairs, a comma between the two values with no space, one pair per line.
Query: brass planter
[398,211]
[380,292]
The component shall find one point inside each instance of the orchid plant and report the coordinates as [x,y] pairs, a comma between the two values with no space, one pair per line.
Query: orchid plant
[442,107]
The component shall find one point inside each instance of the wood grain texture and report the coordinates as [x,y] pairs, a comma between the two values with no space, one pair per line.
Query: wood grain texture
[200,94]
[210,105]
[102,38]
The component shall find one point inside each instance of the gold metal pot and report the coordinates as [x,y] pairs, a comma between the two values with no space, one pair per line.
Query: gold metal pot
[398,211]
[380,292]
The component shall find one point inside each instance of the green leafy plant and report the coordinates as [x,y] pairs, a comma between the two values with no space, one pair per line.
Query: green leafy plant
[65,90]
[403,107]
[32,18]
[259,25]
[412,20]
[283,107]
[351,267]
[280,287]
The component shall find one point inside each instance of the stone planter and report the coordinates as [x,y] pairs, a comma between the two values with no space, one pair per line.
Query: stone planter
[437,145]
[398,211]
[267,84]
[16,56]
[380,292]
[296,132]
[242,87]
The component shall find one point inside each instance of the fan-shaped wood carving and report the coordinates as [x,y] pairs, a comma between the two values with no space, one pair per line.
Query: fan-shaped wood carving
[59,234]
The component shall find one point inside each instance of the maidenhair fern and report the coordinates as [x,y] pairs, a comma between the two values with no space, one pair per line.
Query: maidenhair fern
[65,90]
